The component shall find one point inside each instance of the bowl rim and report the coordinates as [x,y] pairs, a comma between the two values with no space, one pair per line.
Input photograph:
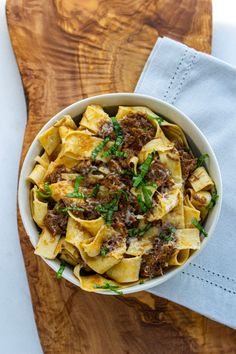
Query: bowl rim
[26,219]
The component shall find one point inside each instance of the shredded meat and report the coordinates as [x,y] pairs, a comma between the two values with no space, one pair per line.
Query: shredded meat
[55,176]
[119,168]
[83,167]
[188,162]
[126,216]
[89,212]
[124,162]
[157,258]
[167,186]
[106,129]
[114,242]
[56,222]
[158,173]
[112,182]
[137,131]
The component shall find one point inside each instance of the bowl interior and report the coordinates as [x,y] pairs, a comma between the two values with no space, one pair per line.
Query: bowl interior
[196,139]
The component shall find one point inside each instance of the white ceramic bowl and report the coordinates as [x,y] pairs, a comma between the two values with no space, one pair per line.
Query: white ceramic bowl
[196,140]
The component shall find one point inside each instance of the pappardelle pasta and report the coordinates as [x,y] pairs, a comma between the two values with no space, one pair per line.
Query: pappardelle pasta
[120,199]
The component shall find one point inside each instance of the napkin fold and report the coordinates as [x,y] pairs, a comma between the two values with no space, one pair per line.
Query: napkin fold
[204,88]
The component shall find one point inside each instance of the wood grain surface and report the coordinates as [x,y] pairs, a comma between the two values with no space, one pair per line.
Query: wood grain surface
[67,50]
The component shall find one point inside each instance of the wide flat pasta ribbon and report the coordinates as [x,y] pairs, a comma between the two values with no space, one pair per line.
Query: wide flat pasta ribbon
[165,203]
[126,271]
[99,264]
[93,118]
[91,226]
[39,209]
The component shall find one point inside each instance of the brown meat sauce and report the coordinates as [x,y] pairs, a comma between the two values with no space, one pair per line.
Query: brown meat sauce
[115,176]
[137,131]
[114,242]
[158,173]
[188,162]
[55,176]
[56,222]
[157,258]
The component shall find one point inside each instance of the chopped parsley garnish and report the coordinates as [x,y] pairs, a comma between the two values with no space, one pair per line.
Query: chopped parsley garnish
[117,130]
[125,193]
[167,234]
[109,286]
[114,149]
[95,191]
[158,119]
[213,201]
[76,193]
[199,227]
[201,159]
[104,250]
[99,147]
[141,203]
[108,209]
[145,199]
[143,170]
[145,129]
[129,173]
[69,208]
[134,232]
[60,270]
[46,193]
[119,153]
[147,194]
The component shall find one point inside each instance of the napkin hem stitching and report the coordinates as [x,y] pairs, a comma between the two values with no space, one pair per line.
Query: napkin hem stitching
[232,292]
[165,97]
[211,272]
[180,86]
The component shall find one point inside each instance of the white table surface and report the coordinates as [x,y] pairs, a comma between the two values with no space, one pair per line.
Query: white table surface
[18,334]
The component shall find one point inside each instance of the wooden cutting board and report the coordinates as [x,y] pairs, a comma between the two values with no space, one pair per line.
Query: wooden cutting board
[67,50]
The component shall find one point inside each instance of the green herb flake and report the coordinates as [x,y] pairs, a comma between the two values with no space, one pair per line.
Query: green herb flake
[158,119]
[141,281]
[109,286]
[108,209]
[199,227]
[114,149]
[139,232]
[46,193]
[124,193]
[143,170]
[120,154]
[129,173]
[104,250]
[95,191]
[116,126]
[76,193]
[147,194]
[201,159]
[213,201]
[141,203]
[60,270]
[168,234]
[99,147]
[145,129]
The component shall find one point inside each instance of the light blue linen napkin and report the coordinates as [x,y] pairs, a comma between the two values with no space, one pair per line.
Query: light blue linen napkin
[204,88]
